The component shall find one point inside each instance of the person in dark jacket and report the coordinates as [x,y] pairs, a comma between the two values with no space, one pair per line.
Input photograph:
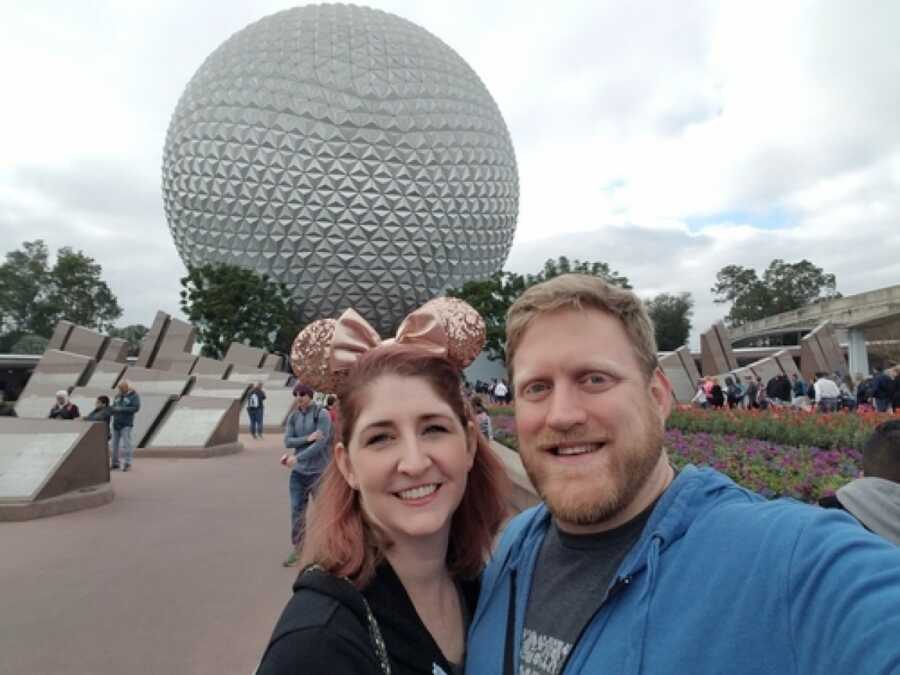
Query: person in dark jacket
[101,412]
[718,396]
[64,409]
[255,410]
[895,399]
[307,435]
[883,391]
[403,520]
[125,406]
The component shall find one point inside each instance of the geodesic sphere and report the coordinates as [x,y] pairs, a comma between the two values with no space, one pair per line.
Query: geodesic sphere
[346,152]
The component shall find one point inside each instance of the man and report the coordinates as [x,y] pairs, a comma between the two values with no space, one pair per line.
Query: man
[874,500]
[307,433]
[255,409]
[64,409]
[629,567]
[752,389]
[124,407]
[501,392]
[827,394]
[882,390]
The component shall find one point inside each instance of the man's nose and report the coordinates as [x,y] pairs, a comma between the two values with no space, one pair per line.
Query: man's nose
[566,409]
[414,459]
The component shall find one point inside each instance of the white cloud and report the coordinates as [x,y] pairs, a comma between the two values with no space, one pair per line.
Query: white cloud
[630,121]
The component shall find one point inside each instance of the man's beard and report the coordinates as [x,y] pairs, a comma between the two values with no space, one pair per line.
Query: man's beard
[583,501]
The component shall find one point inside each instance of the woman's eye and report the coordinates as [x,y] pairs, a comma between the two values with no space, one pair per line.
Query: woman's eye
[435,429]
[377,439]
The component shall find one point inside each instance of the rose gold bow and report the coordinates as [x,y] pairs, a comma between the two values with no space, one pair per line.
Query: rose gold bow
[353,337]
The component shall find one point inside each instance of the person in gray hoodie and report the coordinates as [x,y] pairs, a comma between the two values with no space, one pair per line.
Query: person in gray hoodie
[874,500]
[307,435]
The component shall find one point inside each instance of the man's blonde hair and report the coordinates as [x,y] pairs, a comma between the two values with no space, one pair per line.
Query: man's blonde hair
[578,292]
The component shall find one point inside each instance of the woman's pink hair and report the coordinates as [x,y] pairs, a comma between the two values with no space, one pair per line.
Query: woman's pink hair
[338,536]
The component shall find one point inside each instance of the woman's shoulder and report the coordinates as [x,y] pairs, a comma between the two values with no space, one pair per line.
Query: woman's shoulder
[319,632]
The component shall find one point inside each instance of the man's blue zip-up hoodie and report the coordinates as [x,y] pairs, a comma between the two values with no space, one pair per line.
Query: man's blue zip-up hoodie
[721,581]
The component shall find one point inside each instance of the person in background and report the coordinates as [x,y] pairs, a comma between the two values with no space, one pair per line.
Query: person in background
[752,390]
[307,435]
[717,396]
[874,499]
[895,399]
[483,418]
[64,409]
[762,398]
[699,399]
[125,406]
[882,391]
[255,409]
[331,407]
[827,394]
[501,392]
[101,413]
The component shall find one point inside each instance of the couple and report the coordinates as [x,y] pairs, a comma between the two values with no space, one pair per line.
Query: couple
[627,566]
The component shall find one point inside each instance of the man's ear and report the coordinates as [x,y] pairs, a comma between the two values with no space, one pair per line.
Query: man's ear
[342,459]
[661,391]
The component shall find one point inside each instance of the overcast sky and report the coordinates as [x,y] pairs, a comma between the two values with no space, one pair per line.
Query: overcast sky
[666,138]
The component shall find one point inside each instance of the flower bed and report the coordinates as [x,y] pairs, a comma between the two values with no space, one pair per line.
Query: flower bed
[790,426]
[804,472]
[771,469]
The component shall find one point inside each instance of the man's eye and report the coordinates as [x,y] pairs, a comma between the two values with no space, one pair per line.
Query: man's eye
[596,379]
[535,388]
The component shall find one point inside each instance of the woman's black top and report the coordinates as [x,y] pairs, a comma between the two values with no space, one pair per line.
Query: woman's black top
[324,629]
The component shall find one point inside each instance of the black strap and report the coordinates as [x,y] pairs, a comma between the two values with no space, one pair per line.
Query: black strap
[510,627]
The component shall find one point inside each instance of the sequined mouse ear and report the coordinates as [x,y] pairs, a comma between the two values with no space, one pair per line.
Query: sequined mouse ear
[464,327]
[310,353]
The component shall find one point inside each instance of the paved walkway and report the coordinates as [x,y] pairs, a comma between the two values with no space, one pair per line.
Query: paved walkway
[180,574]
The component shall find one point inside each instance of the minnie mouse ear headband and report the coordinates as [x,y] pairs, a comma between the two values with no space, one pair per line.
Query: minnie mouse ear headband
[324,351]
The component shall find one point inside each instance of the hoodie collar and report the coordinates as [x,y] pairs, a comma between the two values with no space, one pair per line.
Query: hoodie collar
[688,495]
[875,502]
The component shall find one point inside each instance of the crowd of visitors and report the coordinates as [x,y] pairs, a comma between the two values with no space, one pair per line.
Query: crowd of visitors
[825,393]
[497,391]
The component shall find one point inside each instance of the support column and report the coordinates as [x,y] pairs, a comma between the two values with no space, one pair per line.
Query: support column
[857,354]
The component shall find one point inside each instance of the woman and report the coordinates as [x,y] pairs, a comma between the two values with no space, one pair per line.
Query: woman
[404,519]
[64,409]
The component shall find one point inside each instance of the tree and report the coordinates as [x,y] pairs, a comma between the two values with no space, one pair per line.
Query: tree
[34,296]
[78,294]
[783,287]
[227,303]
[671,316]
[30,344]
[492,297]
[24,291]
[562,265]
[132,334]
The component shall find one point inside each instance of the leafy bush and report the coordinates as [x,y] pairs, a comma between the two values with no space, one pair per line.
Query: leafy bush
[790,426]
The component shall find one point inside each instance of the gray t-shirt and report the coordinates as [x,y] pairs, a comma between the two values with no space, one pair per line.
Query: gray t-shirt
[571,580]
